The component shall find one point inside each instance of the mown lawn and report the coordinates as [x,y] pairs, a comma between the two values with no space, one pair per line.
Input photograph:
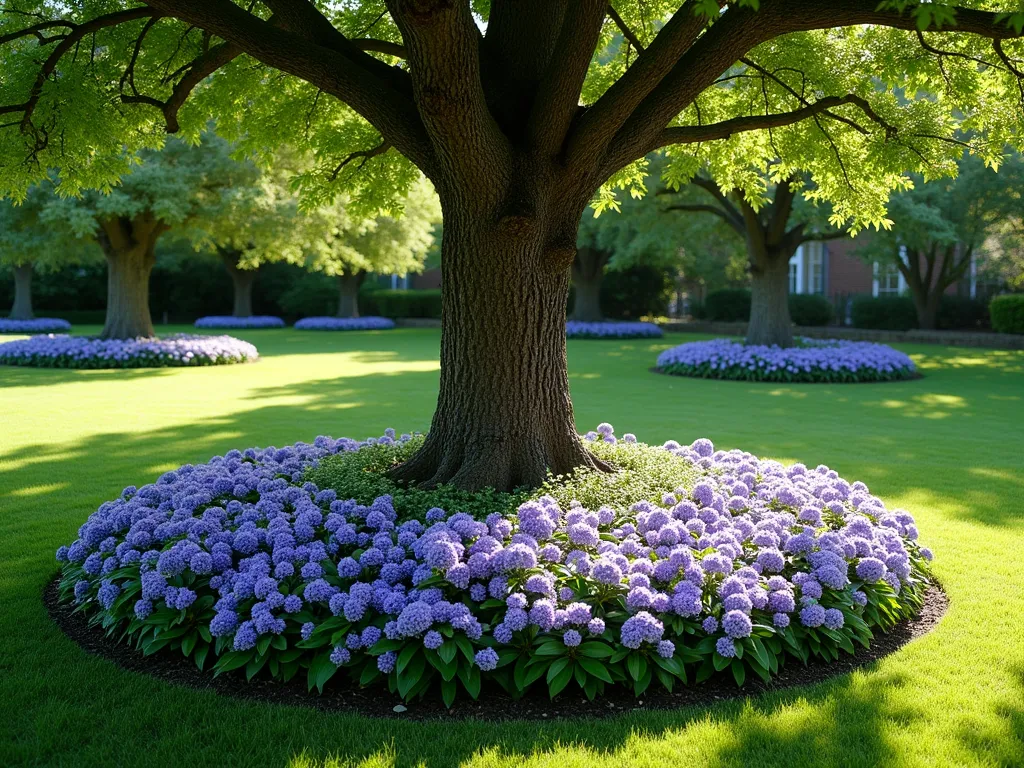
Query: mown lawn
[949,447]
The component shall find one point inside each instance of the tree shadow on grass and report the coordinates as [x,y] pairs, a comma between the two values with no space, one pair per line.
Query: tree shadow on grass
[839,723]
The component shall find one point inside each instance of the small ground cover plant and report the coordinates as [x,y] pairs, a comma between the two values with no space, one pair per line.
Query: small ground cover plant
[229,321]
[345,324]
[175,350]
[684,562]
[36,325]
[811,360]
[611,329]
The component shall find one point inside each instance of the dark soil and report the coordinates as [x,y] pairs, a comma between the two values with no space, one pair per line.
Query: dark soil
[493,704]
[917,375]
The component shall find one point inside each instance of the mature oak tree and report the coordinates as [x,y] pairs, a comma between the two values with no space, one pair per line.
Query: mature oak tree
[772,233]
[386,244]
[519,112]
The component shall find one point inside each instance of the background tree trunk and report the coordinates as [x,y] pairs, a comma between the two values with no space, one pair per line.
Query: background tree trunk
[504,416]
[587,276]
[927,306]
[241,281]
[22,308]
[128,273]
[769,301]
[348,293]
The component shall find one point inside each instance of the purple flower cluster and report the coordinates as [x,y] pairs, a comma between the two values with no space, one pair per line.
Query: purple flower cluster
[576,329]
[812,360]
[745,546]
[176,350]
[38,325]
[229,321]
[345,324]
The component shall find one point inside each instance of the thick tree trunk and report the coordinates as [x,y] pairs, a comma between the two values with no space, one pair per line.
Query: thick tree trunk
[504,416]
[927,306]
[22,308]
[587,276]
[241,281]
[348,294]
[769,302]
[128,273]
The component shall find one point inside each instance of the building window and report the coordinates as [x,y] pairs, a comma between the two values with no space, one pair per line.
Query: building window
[794,275]
[816,268]
[889,280]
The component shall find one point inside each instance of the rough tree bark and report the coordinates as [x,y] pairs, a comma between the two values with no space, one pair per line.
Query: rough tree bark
[770,323]
[22,308]
[348,293]
[241,282]
[929,274]
[587,276]
[130,249]
[504,415]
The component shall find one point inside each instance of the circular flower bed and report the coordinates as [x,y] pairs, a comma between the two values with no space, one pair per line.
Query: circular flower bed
[345,324]
[575,329]
[686,562]
[229,321]
[812,360]
[38,325]
[89,352]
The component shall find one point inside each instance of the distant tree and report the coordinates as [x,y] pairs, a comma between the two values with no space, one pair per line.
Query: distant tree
[941,224]
[251,222]
[350,249]
[28,245]
[772,227]
[639,233]
[170,188]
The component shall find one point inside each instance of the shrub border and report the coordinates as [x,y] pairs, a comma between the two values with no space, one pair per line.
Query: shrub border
[493,704]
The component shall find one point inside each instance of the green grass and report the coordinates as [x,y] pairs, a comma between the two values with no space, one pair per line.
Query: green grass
[949,447]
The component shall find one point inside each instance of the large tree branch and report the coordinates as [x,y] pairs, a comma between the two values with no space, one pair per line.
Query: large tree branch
[214,58]
[691,134]
[557,100]
[697,208]
[442,43]
[710,186]
[600,122]
[624,29]
[380,46]
[328,61]
[736,32]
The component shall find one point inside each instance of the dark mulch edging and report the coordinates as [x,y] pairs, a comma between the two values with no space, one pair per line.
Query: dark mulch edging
[172,667]
[917,375]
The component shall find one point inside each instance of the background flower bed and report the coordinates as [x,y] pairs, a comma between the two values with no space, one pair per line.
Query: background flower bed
[345,324]
[37,325]
[697,561]
[175,350]
[229,321]
[812,360]
[610,329]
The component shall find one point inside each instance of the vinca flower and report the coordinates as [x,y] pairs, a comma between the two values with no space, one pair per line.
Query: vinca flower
[175,350]
[576,329]
[225,322]
[36,325]
[344,324]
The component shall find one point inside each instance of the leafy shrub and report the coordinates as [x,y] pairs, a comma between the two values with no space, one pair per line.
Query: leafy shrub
[1007,313]
[642,291]
[809,309]
[884,313]
[727,305]
[313,294]
[812,360]
[602,579]
[962,313]
[408,303]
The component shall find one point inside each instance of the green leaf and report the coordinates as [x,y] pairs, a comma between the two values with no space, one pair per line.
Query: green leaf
[595,650]
[410,676]
[556,667]
[558,683]
[448,690]
[595,668]
[637,665]
[199,657]
[738,672]
[406,656]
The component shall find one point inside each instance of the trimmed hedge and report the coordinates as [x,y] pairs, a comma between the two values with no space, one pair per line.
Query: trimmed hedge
[884,313]
[408,303]
[1007,313]
[727,305]
[808,309]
